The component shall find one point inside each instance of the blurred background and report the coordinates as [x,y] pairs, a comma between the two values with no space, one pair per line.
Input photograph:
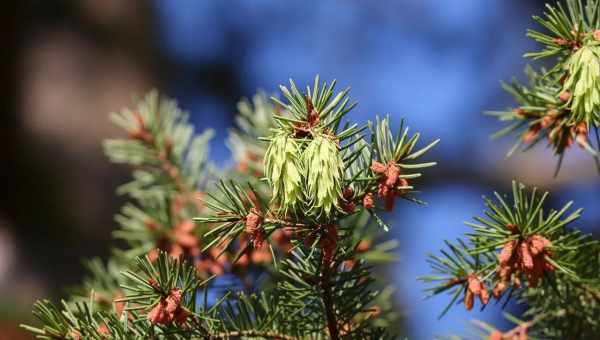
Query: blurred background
[67,64]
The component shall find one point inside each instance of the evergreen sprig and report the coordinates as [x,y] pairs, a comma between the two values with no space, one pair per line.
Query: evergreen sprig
[307,232]
[562,104]
[520,248]
[320,173]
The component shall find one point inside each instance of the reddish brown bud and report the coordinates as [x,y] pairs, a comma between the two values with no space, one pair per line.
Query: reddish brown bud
[378,168]
[158,315]
[392,172]
[537,244]
[473,284]
[253,221]
[369,201]
[253,228]
[526,258]
[167,309]
[173,300]
[506,253]
[565,96]
[469,299]
[597,35]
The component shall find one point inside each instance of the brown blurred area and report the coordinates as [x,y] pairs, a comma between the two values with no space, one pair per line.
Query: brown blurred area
[65,65]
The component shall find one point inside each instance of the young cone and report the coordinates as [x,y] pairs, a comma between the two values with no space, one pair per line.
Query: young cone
[283,171]
[325,172]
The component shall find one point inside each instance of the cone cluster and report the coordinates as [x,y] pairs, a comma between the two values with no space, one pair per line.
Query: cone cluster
[168,310]
[560,134]
[527,257]
[390,183]
[475,288]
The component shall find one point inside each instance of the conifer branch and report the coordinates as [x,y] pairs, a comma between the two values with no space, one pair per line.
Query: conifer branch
[307,229]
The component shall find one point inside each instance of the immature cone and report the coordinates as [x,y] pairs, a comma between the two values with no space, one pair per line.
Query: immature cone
[325,173]
[507,252]
[168,309]
[469,299]
[391,173]
[522,257]
[584,82]
[389,182]
[538,244]
[282,169]
[475,287]
[526,258]
[565,96]
[254,228]
[378,168]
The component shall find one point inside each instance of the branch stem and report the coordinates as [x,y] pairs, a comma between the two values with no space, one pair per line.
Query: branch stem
[327,297]
[251,333]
